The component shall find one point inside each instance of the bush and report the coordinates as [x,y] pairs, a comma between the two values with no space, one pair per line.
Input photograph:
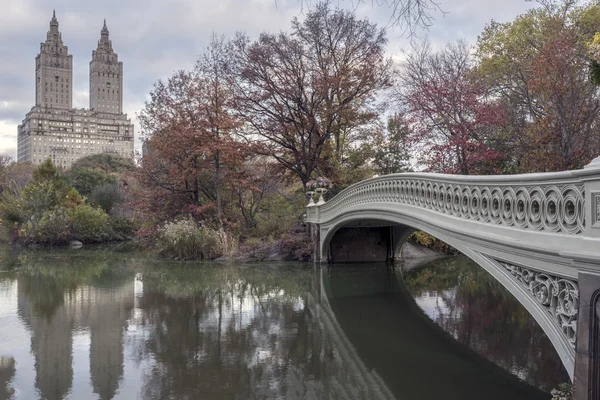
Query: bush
[51,227]
[426,240]
[106,196]
[564,392]
[186,240]
[49,211]
[89,224]
[297,244]
[85,180]
[122,226]
[278,215]
[257,248]
[11,209]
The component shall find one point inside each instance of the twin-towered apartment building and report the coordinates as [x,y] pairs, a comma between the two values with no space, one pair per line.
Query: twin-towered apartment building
[53,128]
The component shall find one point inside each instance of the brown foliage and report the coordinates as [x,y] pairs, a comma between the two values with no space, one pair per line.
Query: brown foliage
[305,95]
[190,136]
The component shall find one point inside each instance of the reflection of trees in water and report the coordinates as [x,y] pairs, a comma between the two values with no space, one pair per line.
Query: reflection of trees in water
[241,334]
[480,313]
[7,372]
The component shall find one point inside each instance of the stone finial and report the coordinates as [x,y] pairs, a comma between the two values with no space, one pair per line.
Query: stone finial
[53,21]
[104,30]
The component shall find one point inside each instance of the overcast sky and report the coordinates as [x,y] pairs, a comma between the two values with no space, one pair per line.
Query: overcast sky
[154,38]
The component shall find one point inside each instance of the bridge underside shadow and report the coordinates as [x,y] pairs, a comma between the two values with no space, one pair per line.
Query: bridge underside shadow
[527,275]
[414,356]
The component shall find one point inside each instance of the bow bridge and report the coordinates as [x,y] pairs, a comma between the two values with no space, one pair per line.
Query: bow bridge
[538,234]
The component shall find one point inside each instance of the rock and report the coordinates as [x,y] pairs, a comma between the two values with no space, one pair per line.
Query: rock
[413,255]
[75,244]
[413,250]
[275,257]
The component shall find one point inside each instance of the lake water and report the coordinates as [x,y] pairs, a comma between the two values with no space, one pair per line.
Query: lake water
[103,324]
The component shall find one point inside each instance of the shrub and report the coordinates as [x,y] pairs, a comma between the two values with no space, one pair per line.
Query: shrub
[11,209]
[186,240]
[297,244]
[49,211]
[228,243]
[85,180]
[564,392]
[257,248]
[51,227]
[106,196]
[89,224]
[426,240]
[122,226]
[278,215]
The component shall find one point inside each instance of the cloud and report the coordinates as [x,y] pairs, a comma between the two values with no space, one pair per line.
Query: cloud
[154,38]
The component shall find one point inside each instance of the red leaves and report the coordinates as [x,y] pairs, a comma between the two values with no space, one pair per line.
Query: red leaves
[191,128]
[452,119]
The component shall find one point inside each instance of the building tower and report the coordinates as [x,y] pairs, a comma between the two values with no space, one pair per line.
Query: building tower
[52,129]
[54,71]
[106,77]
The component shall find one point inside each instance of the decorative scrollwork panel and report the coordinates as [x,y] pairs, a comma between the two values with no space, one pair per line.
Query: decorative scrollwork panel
[559,296]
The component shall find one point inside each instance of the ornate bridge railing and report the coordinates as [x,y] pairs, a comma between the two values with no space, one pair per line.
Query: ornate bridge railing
[551,202]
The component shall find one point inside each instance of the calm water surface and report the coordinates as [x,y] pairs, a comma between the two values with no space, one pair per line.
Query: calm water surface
[100,324]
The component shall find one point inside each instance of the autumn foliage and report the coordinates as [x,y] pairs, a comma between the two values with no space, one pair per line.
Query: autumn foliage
[235,142]
[453,120]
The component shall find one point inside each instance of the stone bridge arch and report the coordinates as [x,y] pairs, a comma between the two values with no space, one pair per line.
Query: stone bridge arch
[559,326]
[537,234]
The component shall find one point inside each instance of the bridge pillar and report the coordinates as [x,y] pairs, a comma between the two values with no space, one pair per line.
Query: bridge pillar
[586,380]
[315,237]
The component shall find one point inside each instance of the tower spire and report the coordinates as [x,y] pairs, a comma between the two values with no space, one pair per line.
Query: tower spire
[104,33]
[54,24]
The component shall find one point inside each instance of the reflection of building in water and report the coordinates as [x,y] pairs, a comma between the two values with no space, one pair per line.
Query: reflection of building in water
[107,320]
[104,311]
[51,343]
[7,372]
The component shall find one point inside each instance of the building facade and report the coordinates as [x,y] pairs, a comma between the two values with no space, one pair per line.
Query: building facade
[53,128]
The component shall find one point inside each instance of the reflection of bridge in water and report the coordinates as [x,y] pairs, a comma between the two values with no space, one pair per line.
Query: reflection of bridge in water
[101,311]
[537,234]
[394,349]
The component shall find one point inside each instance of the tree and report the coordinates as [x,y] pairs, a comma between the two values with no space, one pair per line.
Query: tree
[306,94]
[262,180]
[392,154]
[85,180]
[189,127]
[101,178]
[410,15]
[107,163]
[537,65]
[453,120]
